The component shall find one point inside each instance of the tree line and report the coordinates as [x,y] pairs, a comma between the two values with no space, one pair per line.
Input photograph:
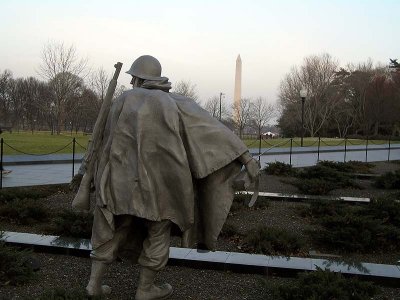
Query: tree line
[68,96]
[360,99]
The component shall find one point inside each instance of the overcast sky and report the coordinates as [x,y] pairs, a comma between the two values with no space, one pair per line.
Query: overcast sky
[200,40]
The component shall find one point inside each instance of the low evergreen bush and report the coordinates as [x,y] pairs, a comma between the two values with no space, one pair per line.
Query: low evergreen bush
[72,224]
[348,167]
[242,198]
[360,166]
[324,284]
[14,266]
[344,227]
[239,202]
[339,179]
[314,186]
[324,177]
[389,180]
[356,233]
[338,166]
[25,211]
[386,209]
[10,194]
[322,208]
[280,169]
[273,241]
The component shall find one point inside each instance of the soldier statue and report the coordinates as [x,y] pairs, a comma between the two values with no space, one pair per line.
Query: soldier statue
[163,162]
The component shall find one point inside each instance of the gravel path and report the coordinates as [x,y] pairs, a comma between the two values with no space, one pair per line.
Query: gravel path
[68,272]
[73,272]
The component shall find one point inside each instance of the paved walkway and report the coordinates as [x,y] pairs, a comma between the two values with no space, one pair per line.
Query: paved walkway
[57,168]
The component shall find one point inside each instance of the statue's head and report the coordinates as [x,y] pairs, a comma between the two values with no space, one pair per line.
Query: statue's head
[146,67]
[146,73]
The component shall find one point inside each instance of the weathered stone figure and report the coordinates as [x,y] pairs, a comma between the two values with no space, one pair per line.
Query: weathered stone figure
[164,161]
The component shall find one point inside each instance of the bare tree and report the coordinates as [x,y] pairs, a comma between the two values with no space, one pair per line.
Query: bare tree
[261,113]
[343,117]
[6,83]
[99,83]
[317,75]
[187,89]
[355,81]
[242,115]
[62,68]
[213,106]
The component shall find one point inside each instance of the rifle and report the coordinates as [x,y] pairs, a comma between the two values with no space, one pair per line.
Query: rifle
[81,201]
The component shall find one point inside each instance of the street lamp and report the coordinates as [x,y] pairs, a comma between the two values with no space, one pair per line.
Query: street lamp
[220,105]
[52,104]
[303,95]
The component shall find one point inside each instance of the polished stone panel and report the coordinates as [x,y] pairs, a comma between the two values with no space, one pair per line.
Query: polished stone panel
[248,263]
[232,261]
[367,269]
[383,270]
[21,238]
[340,266]
[178,253]
[309,197]
[210,256]
[206,259]
[248,259]
[290,263]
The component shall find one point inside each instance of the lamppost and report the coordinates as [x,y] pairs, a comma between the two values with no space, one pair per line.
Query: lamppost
[303,95]
[52,104]
[220,105]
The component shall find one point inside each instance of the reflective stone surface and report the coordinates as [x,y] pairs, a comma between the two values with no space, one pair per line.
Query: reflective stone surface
[248,259]
[310,197]
[241,262]
[178,253]
[290,263]
[22,238]
[209,256]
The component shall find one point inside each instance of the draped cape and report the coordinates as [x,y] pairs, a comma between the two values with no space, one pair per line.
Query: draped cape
[159,159]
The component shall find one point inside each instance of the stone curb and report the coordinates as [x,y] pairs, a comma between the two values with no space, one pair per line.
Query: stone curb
[218,260]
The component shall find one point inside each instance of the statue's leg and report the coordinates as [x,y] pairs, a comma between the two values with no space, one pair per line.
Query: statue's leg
[94,287]
[103,255]
[153,258]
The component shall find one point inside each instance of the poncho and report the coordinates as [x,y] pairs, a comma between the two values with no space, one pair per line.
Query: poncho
[158,150]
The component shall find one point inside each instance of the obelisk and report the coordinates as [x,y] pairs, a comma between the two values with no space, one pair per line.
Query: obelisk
[238,87]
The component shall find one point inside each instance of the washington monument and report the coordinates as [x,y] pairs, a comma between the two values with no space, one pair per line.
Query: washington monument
[238,86]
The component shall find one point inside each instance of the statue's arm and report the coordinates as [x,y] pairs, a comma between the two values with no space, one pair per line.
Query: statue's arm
[252,166]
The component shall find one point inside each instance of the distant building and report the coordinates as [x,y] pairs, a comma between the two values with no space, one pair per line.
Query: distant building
[270,135]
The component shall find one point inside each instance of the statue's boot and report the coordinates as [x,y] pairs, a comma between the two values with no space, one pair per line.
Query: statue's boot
[94,287]
[147,290]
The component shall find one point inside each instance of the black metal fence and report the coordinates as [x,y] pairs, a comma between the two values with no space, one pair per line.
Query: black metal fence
[321,146]
[319,143]
[73,143]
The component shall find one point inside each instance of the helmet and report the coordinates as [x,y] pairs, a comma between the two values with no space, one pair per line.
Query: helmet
[146,67]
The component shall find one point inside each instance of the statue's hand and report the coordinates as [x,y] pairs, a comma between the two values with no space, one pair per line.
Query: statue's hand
[253,169]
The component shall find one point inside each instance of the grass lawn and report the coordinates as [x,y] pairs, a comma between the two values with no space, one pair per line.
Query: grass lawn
[42,142]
